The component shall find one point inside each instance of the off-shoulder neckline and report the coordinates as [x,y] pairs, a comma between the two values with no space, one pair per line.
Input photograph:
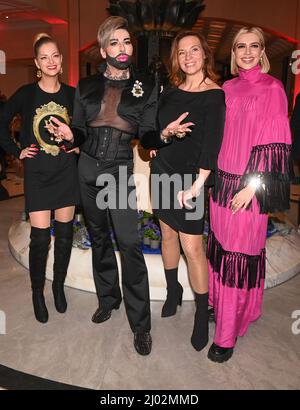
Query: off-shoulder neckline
[200,92]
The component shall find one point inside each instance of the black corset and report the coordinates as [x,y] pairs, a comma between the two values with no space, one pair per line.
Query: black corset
[108,143]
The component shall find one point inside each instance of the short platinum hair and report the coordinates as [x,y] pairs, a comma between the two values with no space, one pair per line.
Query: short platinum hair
[264,62]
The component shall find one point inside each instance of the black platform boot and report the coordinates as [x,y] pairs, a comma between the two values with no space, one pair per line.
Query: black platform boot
[219,354]
[199,337]
[62,252]
[174,295]
[38,253]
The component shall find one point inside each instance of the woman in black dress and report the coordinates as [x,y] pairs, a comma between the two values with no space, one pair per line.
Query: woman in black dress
[50,174]
[189,157]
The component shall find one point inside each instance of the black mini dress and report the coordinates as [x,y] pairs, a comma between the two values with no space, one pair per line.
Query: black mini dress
[176,165]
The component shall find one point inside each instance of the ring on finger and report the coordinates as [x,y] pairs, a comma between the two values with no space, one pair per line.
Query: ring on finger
[180,134]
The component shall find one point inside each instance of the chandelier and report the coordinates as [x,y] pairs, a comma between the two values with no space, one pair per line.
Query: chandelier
[164,16]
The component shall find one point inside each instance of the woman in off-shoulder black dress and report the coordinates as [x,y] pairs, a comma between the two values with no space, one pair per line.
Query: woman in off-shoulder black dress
[187,156]
[184,156]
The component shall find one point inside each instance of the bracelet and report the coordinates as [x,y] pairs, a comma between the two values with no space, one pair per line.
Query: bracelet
[165,140]
[255,182]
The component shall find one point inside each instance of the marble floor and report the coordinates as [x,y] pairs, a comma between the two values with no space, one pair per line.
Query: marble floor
[71,349]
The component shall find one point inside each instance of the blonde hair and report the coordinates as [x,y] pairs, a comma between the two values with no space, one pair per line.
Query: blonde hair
[41,39]
[176,75]
[264,62]
[106,30]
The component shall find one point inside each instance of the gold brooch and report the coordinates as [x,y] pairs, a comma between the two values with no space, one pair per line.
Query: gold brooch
[137,90]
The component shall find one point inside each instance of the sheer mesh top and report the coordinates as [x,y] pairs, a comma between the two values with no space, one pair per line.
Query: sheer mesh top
[108,115]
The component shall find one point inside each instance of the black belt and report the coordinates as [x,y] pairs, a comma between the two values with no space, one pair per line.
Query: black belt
[108,143]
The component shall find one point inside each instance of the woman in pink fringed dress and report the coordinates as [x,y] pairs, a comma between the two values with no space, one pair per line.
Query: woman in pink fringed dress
[254,170]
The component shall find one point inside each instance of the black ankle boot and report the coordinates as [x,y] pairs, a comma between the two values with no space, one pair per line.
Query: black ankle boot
[38,253]
[174,298]
[199,337]
[174,295]
[62,252]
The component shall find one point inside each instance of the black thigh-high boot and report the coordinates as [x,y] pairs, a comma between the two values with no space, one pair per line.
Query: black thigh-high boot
[199,337]
[62,252]
[38,253]
[174,295]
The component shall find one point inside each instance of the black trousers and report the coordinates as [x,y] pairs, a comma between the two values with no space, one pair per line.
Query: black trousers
[135,283]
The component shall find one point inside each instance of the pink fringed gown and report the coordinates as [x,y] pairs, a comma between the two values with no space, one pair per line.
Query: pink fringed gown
[256,143]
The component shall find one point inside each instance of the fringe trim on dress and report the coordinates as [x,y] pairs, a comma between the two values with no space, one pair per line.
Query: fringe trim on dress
[226,186]
[236,270]
[272,163]
[270,158]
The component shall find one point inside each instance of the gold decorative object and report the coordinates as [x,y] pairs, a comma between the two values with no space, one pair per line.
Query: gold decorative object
[50,109]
